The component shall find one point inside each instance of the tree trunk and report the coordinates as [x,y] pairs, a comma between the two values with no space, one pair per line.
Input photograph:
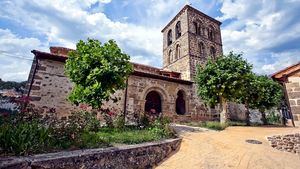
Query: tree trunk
[224,113]
[247,114]
[263,117]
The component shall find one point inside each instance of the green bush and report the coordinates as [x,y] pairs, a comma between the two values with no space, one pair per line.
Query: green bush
[24,138]
[273,118]
[214,125]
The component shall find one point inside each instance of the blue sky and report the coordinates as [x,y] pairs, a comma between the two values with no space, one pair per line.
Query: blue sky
[266,31]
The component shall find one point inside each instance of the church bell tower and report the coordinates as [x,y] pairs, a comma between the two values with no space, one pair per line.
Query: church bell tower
[189,39]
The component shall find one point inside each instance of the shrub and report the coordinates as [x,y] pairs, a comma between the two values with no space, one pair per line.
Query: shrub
[24,138]
[215,125]
[273,118]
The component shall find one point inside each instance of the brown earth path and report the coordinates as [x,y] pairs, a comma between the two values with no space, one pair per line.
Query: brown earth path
[228,149]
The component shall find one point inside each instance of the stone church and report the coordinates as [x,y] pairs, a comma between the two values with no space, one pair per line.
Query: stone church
[190,38]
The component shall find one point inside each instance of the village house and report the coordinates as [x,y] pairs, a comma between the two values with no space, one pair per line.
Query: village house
[189,39]
[290,80]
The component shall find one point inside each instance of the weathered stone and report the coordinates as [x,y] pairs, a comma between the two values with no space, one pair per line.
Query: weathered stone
[144,155]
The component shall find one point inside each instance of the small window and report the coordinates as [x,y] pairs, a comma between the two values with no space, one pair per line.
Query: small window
[177,54]
[210,33]
[213,53]
[178,30]
[169,39]
[195,27]
[201,49]
[170,59]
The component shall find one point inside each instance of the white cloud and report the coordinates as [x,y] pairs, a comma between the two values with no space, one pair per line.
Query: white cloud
[65,22]
[268,32]
[15,55]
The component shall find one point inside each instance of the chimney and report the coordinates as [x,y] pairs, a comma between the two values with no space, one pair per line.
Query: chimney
[60,50]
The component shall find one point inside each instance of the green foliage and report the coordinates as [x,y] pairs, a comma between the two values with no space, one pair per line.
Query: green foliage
[260,92]
[25,134]
[24,138]
[273,118]
[161,127]
[266,93]
[97,71]
[119,122]
[68,132]
[222,78]
[214,125]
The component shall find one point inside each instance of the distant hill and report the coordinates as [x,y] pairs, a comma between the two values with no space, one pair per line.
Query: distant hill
[18,86]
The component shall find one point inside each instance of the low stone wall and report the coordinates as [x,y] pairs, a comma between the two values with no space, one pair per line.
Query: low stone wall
[289,142]
[144,155]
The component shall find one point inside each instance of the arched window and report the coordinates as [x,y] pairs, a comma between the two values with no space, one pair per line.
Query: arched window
[195,27]
[213,53]
[180,103]
[200,24]
[178,30]
[210,33]
[169,39]
[153,103]
[170,59]
[177,52]
[201,49]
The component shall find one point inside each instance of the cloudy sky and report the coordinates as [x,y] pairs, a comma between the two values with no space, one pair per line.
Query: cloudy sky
[266,31]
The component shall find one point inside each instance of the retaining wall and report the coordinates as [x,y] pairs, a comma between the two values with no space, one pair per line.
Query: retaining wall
[144,155]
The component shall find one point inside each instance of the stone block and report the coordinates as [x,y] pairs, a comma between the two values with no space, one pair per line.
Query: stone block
[294,95]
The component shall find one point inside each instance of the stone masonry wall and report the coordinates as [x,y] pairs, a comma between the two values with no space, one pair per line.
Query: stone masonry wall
[189,42]
[50,90]
[293,91]
[139,87]
[195,40]
[145,155]
[289,142]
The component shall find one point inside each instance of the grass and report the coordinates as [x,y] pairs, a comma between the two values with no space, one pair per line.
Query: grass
[214,125]
[129,136]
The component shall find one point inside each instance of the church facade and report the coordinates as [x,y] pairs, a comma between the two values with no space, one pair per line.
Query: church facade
[189,39]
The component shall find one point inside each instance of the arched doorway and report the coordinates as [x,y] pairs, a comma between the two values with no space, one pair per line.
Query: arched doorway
[153,103]
[180,103]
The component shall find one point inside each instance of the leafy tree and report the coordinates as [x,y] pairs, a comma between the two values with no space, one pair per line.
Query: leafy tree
[266,94]
[249,94]
[221,81]
[97,70]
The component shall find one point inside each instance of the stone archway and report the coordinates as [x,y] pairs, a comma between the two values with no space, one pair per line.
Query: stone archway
[180,103]
[153,104]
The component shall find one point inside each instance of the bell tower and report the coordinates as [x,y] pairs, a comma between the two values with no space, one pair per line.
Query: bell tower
[189,39]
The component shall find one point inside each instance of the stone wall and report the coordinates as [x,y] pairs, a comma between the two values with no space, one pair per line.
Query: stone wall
[51,88]
[289,142]
[189,41]
[139,87]
[141,156]
[293,92]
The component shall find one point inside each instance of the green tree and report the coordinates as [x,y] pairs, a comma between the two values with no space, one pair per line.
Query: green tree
[97,70]
[250,94]
[221,81]
[266,95]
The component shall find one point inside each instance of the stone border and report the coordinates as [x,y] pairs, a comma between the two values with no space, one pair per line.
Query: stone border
[286,142]
[145,155]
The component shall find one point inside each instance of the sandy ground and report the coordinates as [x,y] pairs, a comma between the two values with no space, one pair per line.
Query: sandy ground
[228,149]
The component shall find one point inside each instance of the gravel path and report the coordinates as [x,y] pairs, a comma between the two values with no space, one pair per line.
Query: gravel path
[228,149]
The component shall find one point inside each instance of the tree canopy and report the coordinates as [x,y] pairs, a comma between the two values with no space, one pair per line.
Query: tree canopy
[222,80]
[97,70]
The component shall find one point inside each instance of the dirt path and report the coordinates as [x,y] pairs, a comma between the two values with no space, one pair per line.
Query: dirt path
[228,149]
